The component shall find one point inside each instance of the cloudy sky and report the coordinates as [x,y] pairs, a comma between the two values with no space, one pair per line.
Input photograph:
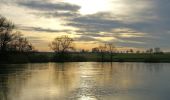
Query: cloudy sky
[127,23]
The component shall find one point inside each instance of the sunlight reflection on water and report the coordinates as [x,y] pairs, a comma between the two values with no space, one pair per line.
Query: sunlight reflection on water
[87,98]
[85,81]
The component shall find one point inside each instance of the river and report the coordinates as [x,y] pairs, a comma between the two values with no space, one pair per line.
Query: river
[85,81]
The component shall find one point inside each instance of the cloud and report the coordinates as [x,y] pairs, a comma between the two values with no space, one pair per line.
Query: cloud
[94,23]
[56,14]
[49,6]
[39,29]
[85,39]
[116,32]
[103,22]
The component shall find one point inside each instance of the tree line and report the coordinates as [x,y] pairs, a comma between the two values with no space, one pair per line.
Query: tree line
[12,41]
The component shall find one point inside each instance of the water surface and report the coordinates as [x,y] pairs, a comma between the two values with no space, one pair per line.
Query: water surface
[85,81]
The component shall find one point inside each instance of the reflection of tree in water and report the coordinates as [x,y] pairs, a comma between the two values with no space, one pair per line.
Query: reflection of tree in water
[3,88]
[7,75]
[65,77]
[56,79]
[151,67]
[154,67]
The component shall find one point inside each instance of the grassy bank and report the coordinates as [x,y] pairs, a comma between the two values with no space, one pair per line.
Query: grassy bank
[125,57]
[84,57]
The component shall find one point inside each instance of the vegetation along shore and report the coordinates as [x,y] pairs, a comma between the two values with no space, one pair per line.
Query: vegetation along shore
[15,48]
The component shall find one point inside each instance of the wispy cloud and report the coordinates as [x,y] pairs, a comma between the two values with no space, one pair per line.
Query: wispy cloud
[48,6]
[40,29]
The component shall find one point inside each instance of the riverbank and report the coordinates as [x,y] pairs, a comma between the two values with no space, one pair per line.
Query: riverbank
[42,57]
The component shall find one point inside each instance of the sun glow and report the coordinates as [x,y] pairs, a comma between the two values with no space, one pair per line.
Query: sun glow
[91,6]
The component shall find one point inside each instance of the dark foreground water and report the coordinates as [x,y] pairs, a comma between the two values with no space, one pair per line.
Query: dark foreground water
[85,81]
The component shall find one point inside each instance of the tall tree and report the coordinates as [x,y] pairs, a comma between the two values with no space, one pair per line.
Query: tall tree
[10,41]
[111,49]
[6,28]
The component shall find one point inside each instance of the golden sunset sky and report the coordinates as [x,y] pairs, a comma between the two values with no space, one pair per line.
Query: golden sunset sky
[126,23]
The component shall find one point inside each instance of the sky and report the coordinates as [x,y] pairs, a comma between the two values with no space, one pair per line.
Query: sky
[126,23]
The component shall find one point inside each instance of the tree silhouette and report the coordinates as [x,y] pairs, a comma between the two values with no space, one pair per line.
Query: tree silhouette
[111,49]
[102,49]
[10,41]
[62,45]
[20,44]
[131,51]
[6,37]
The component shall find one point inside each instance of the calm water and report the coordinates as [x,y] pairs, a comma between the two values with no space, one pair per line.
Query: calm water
[85,81]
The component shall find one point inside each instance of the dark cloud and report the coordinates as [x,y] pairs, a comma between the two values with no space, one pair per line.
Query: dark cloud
[82,33]
[56,14]
[135,37]
[95,23]
[39,29]
[48,6]
[156,31]
[113,34]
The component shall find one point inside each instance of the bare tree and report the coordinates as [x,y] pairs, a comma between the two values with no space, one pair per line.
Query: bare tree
[149,51]
[20,43]
[138,51]
[95,50]
[111,49]
[6,37]
[62,44]
[102,49]
[131,51]
[10,41]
